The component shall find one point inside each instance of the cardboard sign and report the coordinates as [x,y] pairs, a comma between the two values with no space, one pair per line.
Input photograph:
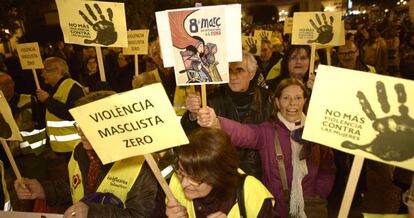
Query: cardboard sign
[137,122]
[8,127]
[363,114]
[29,55]
[324,28]
[16,214]
[287,27]
[252,44]
[137,42]
[263,34]
[199,43]
[231,23]
[93,23]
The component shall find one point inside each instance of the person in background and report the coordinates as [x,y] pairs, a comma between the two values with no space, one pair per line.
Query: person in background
[65,91]
[133,192]
[295,64]
[407,58]
[265,62]
[348,57]
[90,77]
[207,182]
[375,52]
[241,100]
[120,79]
[293,168]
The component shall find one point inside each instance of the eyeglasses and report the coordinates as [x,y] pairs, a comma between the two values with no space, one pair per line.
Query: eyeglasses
[346,53]
[181,175]
[49,70]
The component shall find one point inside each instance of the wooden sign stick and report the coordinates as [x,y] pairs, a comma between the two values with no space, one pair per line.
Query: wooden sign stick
[136,64]
[203,96]
[11,159]
[328,56]
[100,63]
[312,59]
[154,167]
[351,186]
[35,78]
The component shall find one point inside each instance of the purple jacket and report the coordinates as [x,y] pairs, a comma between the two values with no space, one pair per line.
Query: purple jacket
[321,167]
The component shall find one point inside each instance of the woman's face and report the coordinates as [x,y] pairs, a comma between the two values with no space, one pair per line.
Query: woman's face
[122,61]
[200,48]
[291,102]
[193,189]
[298,64]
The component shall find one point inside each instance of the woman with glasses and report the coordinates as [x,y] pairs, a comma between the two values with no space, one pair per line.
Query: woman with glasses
[207,182]
[295,171]
[295,64]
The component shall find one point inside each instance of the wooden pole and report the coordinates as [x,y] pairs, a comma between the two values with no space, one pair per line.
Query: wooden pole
[100,63]
[351,186]
[136,64]
[35,78]
[328,56]
[154,167]
[312,59]
[11,159]
[203,95]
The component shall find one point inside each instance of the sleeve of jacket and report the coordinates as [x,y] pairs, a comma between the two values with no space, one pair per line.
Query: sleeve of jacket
[140,200]
[242,135]
[57,192]
[187,124]
[326,174]
[60,109]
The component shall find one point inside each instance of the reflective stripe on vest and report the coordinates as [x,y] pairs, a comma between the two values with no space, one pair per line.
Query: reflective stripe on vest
[7,205]
[254,195]
[118,181]
[62,134]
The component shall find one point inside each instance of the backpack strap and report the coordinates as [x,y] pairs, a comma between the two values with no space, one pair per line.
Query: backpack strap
[240,196]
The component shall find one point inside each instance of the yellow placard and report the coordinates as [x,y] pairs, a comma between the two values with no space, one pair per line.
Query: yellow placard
[323,28]
[263,34]
[251,44]
[93,23]
[8,127]
[137,42]
[29,55]
[364,114]
[132,123]
[287,27]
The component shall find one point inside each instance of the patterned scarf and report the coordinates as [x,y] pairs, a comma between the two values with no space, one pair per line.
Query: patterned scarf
[300,168]
[95,165]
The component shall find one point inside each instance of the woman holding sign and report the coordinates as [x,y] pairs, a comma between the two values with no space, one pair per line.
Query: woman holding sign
[295,171]
[207,182]
[125,188]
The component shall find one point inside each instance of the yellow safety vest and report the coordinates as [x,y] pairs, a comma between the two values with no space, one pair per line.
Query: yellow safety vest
[62,134]
[33,141]
[7,205]
[254,195]
[118,181]
[275,71]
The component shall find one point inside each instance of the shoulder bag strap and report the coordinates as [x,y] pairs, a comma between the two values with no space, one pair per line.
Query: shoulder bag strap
[281,164]
[240,197]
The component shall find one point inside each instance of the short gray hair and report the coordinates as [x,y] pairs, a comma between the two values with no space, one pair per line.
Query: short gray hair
[58,63]
[251,62]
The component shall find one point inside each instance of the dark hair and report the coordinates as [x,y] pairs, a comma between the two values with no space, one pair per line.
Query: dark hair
[210,157]
[284,69]
[279,89]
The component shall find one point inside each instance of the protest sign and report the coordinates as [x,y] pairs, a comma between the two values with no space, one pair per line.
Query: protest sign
[263,34]
[137,122]
[137,42]
[17,214]
[287,27]
[29,55]
[363,114]
[199,45]
[231,23]
[252,44]
[320,28]
[93,23]
[8,127]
